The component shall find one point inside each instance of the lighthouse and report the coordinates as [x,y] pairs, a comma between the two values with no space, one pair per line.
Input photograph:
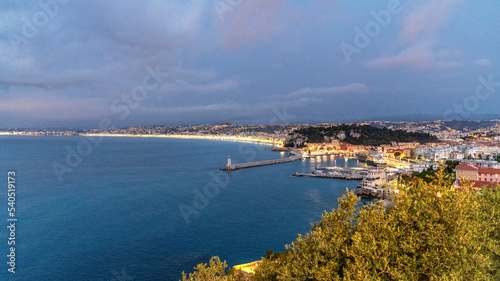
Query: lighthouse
[228,161]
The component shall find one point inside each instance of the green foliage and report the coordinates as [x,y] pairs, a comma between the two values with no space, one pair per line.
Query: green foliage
[426,175]
[364,135]
[432,232]
[397,154]
[318,255]
[214,271]
[450,166]
[429,174]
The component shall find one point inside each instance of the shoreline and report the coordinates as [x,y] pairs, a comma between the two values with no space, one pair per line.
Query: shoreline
[195,137]
[248,267]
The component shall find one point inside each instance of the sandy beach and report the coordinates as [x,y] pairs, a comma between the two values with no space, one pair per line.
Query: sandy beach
[204,137]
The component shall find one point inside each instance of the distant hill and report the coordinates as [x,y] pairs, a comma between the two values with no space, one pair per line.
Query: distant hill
[462,125]
[355,134]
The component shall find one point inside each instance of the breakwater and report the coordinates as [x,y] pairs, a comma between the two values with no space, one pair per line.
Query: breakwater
[330,176]
[233,167]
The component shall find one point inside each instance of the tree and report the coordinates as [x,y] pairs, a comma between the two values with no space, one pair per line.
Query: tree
[214,271]
[320,254]
[397,154]
[431,232]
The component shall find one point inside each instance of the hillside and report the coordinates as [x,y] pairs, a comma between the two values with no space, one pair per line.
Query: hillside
[355,134]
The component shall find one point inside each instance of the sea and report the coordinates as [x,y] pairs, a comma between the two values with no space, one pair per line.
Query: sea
[135,208]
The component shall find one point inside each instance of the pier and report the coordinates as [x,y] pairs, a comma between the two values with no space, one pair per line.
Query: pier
[232,167]
[330,176]
[353,173]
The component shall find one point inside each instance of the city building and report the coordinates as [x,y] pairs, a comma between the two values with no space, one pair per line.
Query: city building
[478,176]
[375,177]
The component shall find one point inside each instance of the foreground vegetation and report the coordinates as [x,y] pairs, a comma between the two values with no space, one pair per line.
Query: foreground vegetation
[431,232]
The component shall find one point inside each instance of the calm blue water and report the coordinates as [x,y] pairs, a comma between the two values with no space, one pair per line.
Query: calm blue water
[116,216]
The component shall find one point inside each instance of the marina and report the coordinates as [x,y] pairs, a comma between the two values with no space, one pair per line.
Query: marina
[371,178]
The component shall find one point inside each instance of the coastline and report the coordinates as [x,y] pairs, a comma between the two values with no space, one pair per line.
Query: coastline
[201,137]
[248,267]
[255,140]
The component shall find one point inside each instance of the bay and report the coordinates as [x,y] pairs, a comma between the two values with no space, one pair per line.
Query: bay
[117,214]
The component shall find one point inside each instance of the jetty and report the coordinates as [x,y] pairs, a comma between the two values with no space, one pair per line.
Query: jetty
[354,173]
[330,176]
[232,167]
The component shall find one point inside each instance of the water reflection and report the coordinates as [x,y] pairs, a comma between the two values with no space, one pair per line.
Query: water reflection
[311,163]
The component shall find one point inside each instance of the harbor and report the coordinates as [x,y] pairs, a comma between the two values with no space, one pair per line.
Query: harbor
[372,179]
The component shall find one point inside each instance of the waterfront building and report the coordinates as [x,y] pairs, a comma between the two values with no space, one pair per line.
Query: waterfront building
[478,176]
[375,177]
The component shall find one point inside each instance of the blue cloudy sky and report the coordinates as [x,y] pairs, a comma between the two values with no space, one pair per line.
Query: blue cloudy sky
[71,63]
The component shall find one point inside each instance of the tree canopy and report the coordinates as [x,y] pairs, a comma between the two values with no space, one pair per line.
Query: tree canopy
[357,134]
[430,232]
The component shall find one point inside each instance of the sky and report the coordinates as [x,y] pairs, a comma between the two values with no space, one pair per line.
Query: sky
[73,64]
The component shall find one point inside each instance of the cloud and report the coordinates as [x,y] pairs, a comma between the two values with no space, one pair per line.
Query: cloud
[261,55]
[418,42]
[198,109]
[482,62]
[197,81]
[427,19]
[153,24]
[353,88]
[45,80]
[229,111]
[248,21]
[421,55]
[50,107]
[234,108]
[196,74]
[212,87]
[301,102]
